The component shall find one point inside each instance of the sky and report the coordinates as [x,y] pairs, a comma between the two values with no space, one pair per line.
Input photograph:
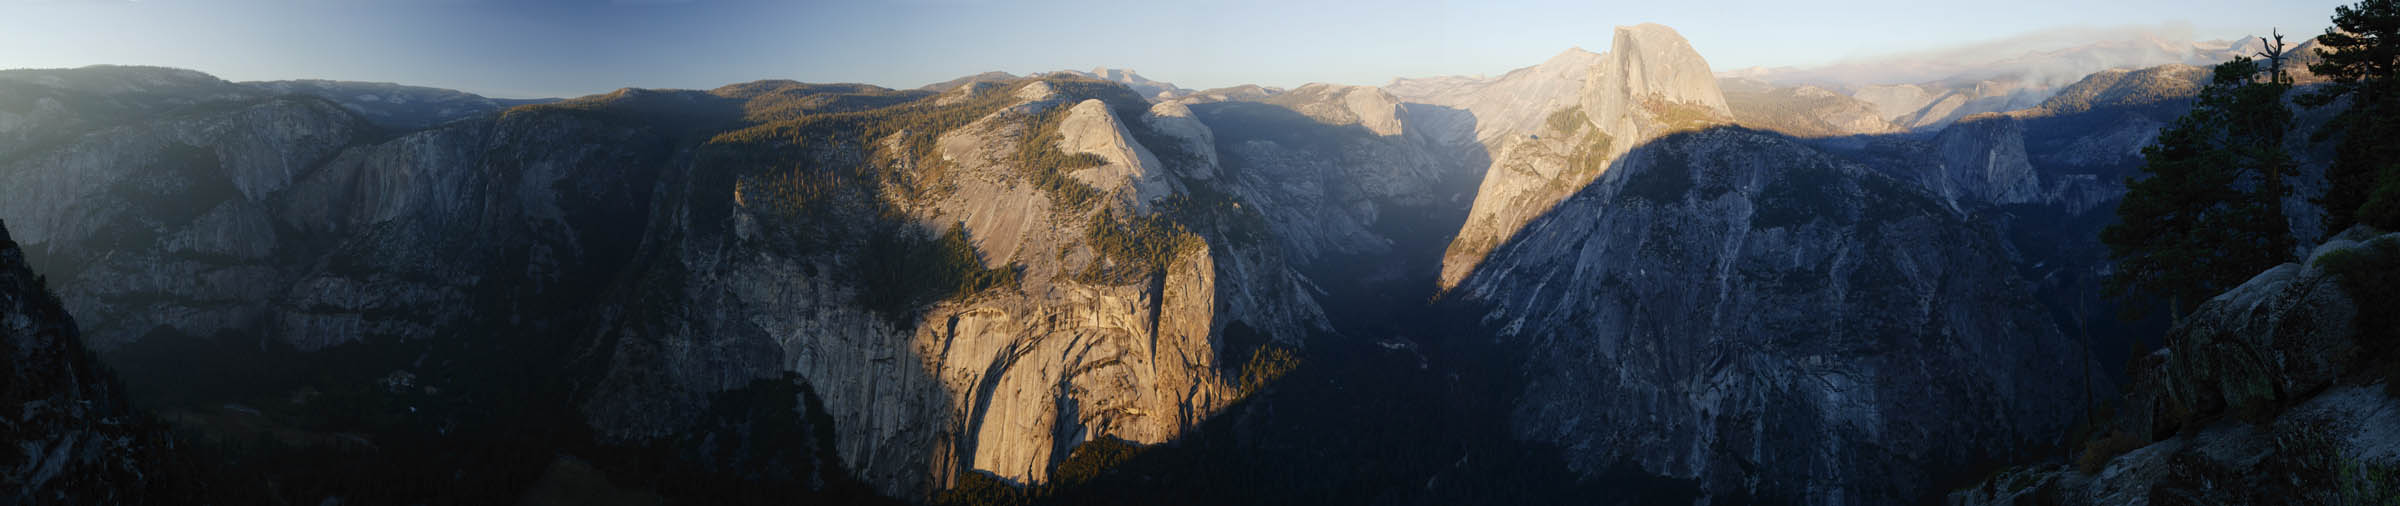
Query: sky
[564,48]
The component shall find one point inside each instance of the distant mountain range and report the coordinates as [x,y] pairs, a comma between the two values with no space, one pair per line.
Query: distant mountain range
[2051,68]
[1152,90]
[1929,90]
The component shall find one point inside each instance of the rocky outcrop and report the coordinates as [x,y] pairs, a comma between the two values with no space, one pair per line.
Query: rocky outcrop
[67,434]
[1130,174]
[2275,392]
[1673,317]
[1195,138]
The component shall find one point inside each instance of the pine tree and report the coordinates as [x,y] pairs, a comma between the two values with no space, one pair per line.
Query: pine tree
[2159,242]
[2361,55]
[2209,215]
[2260,124]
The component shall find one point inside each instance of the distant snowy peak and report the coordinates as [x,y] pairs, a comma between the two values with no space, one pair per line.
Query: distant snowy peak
[1154,90]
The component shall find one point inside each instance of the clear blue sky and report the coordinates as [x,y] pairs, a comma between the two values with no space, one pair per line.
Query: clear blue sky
[522,48]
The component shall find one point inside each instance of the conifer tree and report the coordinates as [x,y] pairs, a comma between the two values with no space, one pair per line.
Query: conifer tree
[2361,56]
[2210,215]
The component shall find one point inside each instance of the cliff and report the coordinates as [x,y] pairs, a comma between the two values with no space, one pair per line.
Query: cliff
[67,434]
[996,277]
[1674,317]
[1650,83]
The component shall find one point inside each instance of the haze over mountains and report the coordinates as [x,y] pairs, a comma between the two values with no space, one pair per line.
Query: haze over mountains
[1613,274]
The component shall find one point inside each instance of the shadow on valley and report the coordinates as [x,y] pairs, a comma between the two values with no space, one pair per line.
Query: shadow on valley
[1423,400]
[1363,289]
[2055,239]
[1407,402]
[1714,302]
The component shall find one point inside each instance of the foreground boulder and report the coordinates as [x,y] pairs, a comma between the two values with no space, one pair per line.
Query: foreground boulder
[2278,391]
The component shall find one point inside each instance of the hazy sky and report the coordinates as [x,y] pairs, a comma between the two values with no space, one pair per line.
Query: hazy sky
[524,48]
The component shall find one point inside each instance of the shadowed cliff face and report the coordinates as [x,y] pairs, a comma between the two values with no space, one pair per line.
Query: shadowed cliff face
[67,432]
[1331,187]
[1674,296]
[1675,313]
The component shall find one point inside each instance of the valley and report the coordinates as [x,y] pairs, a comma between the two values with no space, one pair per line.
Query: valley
[1616,277]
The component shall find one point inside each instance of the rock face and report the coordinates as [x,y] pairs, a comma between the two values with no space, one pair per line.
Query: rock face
[1983,160]
[1673,317]
[67,435]
[677,265]
[2268,394]
[1007,383]
[1650,69]
[1130,174]
[1668,287]
[171,201]
[1651,82]
[1194,137]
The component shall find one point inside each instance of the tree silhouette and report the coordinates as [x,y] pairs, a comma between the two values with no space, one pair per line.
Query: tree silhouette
[2361,55]
[2209,215]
